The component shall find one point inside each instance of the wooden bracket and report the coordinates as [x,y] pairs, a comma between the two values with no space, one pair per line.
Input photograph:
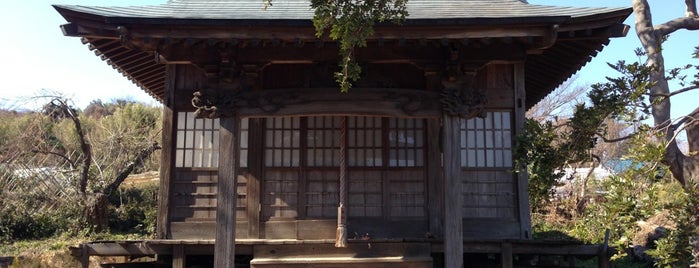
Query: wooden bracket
[459,97]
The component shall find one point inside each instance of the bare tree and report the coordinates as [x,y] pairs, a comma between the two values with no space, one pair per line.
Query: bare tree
[684,168]
[59,139]
[560,103]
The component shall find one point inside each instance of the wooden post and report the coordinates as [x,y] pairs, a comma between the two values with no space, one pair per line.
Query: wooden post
[256,140]
[435,184]
[522,176]
[178,256]
[167,161]
[224,250]
[506,255]
[341,233]
[84,256]
[453,222]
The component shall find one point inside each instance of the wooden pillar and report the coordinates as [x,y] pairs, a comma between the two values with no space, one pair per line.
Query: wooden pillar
[178,256]
[224,250]
[506,255]
[435,184]
[453,222]
[522,175]
[341,233]
[256,141]
[167,161]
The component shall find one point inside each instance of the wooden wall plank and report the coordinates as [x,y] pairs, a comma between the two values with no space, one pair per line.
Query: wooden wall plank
[317,229]
[499,86]
[522,176]
[495,229]
[193,195]
[282,229]
[224,250]
[435,185]
[453,232]
[167,161]
[203,230]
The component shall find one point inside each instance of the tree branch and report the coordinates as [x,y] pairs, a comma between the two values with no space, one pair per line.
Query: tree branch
[684,120]
[84,145]
[688,23]
[62,156]
[686,126]
[691,8]
[680,91]
[617,139]
[145,153]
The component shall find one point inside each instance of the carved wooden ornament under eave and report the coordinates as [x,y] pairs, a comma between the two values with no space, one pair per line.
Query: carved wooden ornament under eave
[464,103]
[215,103]
[459,97]
[212,103]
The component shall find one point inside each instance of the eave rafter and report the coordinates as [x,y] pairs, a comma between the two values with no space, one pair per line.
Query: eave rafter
[135,47]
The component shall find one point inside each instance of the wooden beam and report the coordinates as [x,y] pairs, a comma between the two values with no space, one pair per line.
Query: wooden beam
[453,222]
[167,160]
[224,250]
[307,33]
[180,53]
[330,101]
[521,176]
[117,248]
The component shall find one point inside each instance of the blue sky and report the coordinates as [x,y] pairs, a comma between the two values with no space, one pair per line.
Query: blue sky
[37,56]
[677,50]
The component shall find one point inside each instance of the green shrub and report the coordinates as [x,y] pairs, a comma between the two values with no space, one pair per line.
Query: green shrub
[134,209]
[15,224]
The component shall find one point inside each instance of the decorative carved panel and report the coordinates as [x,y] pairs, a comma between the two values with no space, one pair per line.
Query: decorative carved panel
[459,97]
[321,101]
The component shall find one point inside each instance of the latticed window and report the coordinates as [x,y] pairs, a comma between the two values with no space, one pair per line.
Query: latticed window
[405,142]
[282,142]
[323,141]
[486,159]
[303,173]
[197,141]
[364,142]
[244,142]
[487,142]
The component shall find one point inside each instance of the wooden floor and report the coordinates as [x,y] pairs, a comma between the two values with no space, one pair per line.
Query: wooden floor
[322,253]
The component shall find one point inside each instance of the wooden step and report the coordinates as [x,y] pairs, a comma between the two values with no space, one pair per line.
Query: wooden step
[363,254]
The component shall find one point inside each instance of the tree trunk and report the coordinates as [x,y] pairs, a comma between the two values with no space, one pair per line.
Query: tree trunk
[685,169]
[140,158]
[95,211]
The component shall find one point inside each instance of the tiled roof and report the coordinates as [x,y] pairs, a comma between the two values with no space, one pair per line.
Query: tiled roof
[452,10]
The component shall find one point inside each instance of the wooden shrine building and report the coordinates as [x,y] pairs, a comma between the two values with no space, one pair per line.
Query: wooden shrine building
[260,148]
